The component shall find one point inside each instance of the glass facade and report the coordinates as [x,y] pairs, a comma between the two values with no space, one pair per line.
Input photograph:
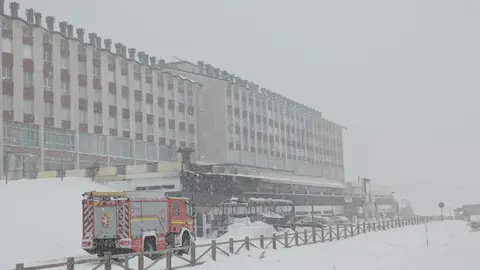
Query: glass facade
[19,134]
[59,139]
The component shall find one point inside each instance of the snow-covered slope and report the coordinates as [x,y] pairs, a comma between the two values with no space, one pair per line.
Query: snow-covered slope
[41,219]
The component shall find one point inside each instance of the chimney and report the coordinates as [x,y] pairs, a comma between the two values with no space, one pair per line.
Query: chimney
[63,28]
[145,59]
[29,12]
[70,31]
[153,60]
[161,62]
[124,51]
[14,7]
[2,7]
[81,35]
[118,48]
[93,38]
[140,55]
[131,53]
[38,19]
[50,21]
[108,44]
[99,42]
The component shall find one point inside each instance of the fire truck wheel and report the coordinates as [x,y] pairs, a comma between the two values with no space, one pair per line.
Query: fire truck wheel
[185,243]
[149,245]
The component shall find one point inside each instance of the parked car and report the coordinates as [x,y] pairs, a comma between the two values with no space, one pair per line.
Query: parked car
[316,221]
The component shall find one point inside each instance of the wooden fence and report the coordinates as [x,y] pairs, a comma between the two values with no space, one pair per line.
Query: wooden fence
[197,253]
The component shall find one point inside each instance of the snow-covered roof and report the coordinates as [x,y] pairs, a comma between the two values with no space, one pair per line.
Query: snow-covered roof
[293,180]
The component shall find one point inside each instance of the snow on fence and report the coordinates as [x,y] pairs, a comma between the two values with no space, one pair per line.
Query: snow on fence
[197,253]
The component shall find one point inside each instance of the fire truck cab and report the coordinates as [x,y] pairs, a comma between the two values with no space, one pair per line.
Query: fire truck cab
[124,222]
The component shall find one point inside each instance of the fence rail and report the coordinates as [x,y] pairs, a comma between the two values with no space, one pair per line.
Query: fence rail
[197,253]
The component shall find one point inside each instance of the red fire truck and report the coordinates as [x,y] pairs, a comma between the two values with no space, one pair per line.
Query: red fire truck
[124,222]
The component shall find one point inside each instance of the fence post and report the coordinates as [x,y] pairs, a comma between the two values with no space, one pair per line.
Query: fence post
[351,230]
[141,259]
[70,263]
[374,227]
[305,236]
[323,235]
[247,243]
[314,235]
[230,245]
[330,233]
[364,227]
[338,232]
[262,241]
[286,239]
[19,266]
[193,256]
[274,241]
[108,261]
[296,238]
[126,263]
[169,260]
[214,250]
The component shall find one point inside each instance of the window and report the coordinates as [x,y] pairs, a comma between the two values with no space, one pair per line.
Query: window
[48,109]
[96,71]
[82,116]
[28,79]
[175,208]
[7,73]
[27,51]
[64,44]
[27,31]
[98,119]
[28,106]
[65,87]
[97,95]
[126,124]
[138,105]
[7,103]
[7,45]
[47,56]
[47,83]
[82,91]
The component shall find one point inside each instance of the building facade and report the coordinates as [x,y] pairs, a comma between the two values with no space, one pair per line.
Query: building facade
[240,123]
[68,101]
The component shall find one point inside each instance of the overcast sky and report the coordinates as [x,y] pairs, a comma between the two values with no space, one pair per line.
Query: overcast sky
[402,76]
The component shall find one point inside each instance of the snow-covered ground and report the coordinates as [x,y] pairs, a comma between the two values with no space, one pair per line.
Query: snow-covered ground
[42,219]
[451,246]
[42,223]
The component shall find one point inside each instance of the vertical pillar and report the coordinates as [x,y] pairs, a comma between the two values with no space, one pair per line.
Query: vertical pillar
[41,137]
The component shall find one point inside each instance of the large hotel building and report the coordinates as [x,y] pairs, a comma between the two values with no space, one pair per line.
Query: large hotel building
[71,98]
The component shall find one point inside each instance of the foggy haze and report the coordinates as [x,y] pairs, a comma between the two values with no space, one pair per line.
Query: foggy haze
[402,76]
